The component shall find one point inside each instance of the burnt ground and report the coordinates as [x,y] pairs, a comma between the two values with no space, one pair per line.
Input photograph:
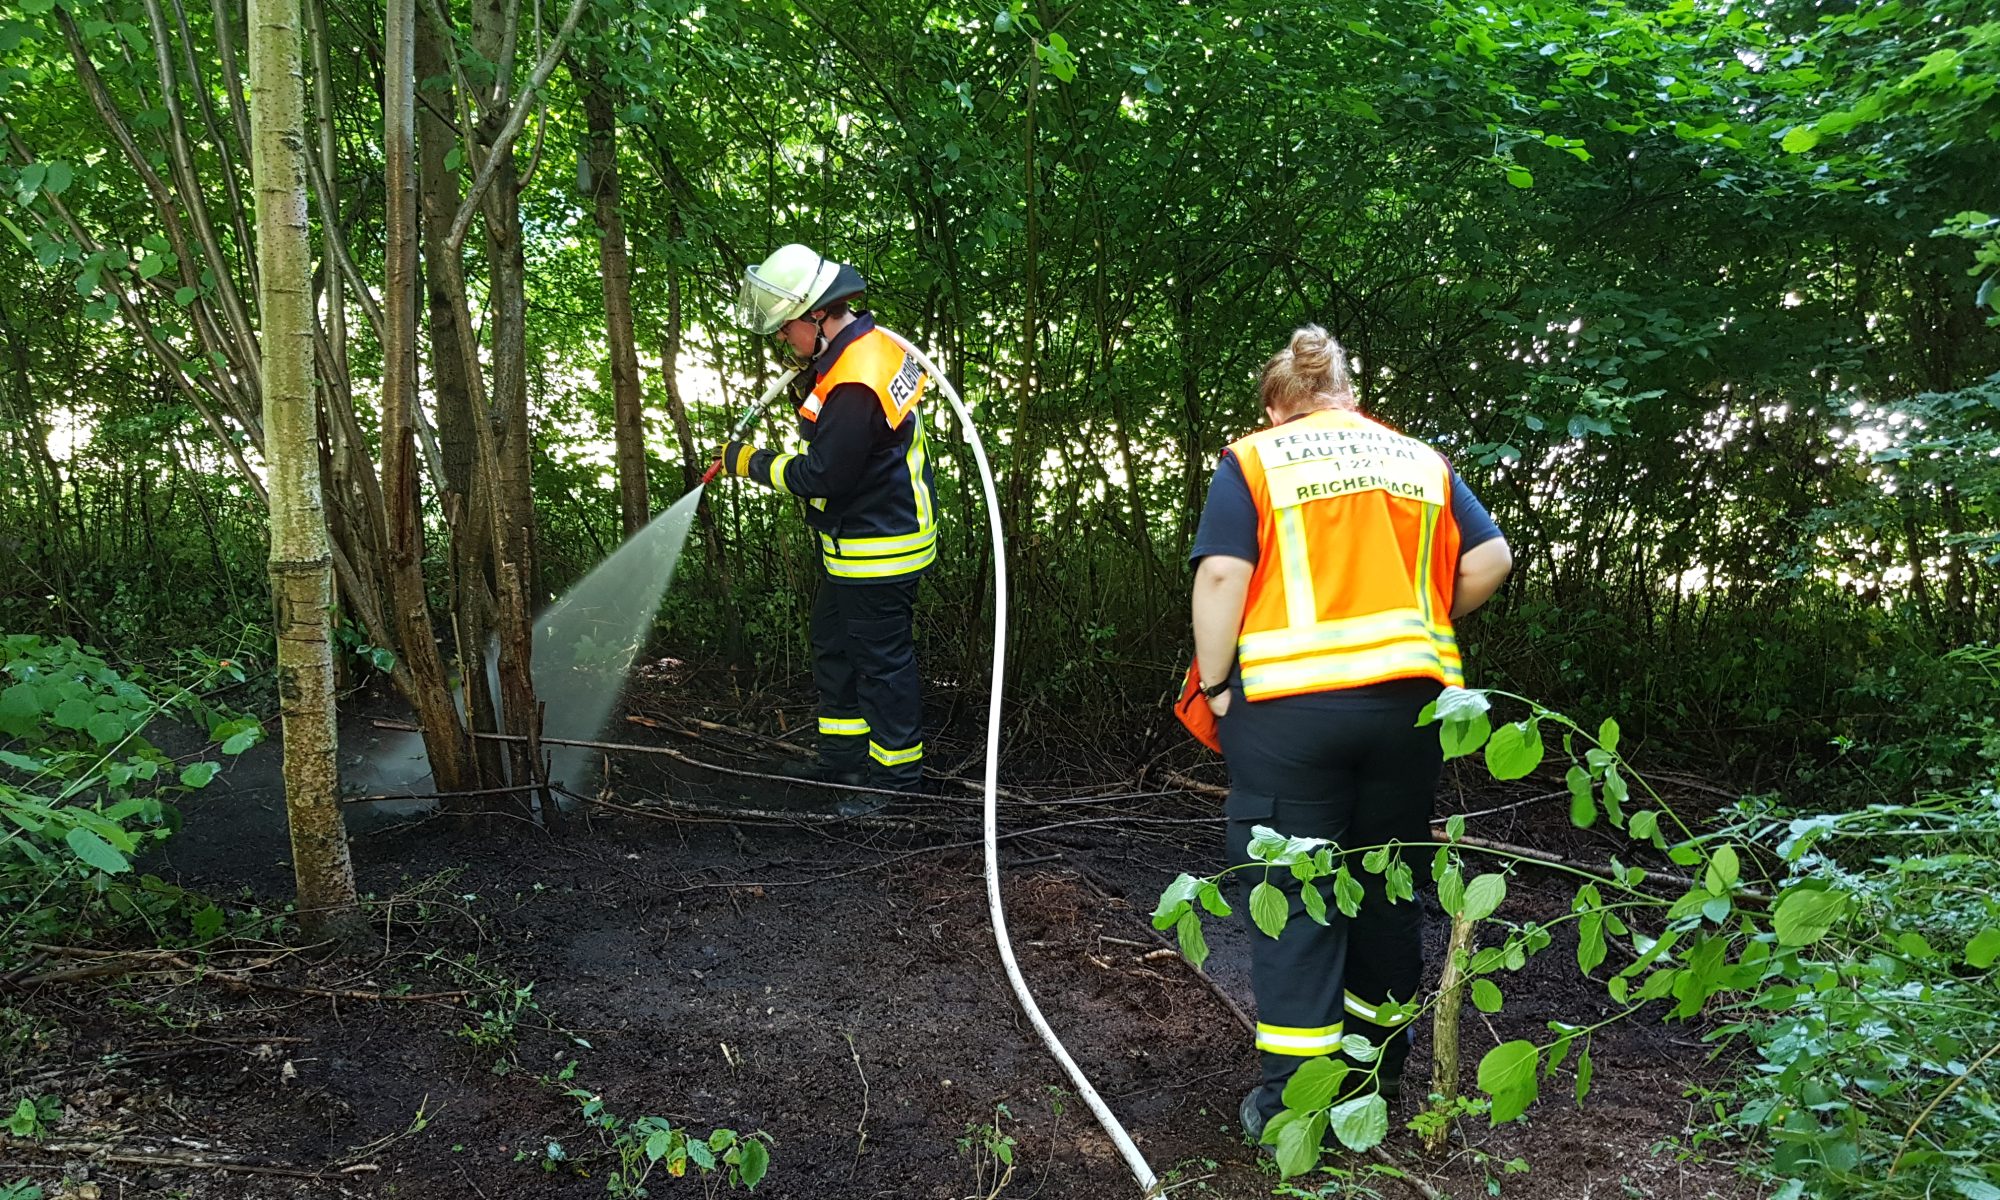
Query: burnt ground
[833,984]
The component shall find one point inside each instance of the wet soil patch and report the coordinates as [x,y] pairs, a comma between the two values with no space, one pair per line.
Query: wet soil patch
[833,984]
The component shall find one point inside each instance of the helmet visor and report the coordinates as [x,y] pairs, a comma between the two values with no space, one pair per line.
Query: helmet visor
[764,307]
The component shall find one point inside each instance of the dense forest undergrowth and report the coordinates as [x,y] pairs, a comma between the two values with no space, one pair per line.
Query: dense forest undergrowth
[1700,300]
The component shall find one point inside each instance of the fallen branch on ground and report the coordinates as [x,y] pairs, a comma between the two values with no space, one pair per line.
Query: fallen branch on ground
[114,1152]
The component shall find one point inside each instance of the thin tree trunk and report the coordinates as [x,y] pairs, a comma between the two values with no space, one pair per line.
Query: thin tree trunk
[444,740]
[627,399]
[463,496]
[301,557]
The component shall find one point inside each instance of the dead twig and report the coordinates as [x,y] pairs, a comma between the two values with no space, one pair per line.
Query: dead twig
[145,1156]
[492,791]
[861,1126]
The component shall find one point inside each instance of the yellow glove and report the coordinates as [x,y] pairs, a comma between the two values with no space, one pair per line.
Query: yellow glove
[736,458]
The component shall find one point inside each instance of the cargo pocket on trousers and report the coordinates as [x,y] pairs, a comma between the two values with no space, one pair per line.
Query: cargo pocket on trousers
[1244,810]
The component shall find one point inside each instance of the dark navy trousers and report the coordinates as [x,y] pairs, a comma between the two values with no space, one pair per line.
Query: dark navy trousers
[1351,766]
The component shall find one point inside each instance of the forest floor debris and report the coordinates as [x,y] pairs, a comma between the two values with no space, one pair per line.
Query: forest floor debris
[847,968]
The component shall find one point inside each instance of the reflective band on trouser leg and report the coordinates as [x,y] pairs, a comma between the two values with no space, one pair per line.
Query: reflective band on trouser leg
[1304,1043]
[844,726]
[1370,1013]
[895,758]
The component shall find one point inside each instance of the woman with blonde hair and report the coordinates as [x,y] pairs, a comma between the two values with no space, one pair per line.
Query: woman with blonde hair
[1333,555]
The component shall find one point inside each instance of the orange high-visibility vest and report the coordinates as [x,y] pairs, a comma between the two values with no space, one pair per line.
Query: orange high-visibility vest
[1357,557]
[875,361]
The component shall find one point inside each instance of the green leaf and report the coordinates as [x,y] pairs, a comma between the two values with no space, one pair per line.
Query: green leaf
[1582,804]
[1458,704]
[1210,895]
[207,922]
[1515,750]
[755,1162]
[1454,827]
[1460,738]
[1589,941]
[185,296]
[383,658]
[1315,902]
[237,743]
[1643,825]
[1615,792]
[1507,1074]
[1299,1145]
[1584,1071]
[1174,901]
[196,775]
[96,852]
[1194,947]
[1801,139]
[1266,843]
[1314,1083]
[1984,949]
[1520,177]
[1607,735]
[106,728]
[1346,891]
[1451,891]
[74,713]
[21,762]
[702,1154]
[1805,914]
[1360,1123]
[454,158]
[1486,996]
[1268,909]
[20,700]
[1483,896]
[1723,870]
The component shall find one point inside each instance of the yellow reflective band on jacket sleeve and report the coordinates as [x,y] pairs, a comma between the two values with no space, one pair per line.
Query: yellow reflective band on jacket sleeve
[844,726]
[895,758]
[1305,1043]
[778,466]
[1358,1007]
[743,456]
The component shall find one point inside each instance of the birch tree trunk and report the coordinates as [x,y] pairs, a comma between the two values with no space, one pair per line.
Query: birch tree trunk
[301,557]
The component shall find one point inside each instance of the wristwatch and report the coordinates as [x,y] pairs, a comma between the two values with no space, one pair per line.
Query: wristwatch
[1211,693]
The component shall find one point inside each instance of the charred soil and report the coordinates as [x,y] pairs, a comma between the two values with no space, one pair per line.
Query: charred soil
[833,984]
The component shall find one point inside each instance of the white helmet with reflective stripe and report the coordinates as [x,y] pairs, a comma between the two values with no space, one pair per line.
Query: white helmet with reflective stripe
[784,287]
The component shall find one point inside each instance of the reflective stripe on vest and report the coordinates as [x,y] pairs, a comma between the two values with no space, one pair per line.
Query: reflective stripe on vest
[1342,502]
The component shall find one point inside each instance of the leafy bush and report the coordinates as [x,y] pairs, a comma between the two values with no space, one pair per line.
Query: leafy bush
[82,790]
[1855,952]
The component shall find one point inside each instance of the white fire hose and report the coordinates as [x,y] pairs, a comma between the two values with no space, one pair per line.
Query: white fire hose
[1141,1172]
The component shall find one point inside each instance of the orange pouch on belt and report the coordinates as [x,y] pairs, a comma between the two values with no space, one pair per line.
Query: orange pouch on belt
[1194,712]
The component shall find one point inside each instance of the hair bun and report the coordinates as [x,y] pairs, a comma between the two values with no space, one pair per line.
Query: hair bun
[1313,351]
